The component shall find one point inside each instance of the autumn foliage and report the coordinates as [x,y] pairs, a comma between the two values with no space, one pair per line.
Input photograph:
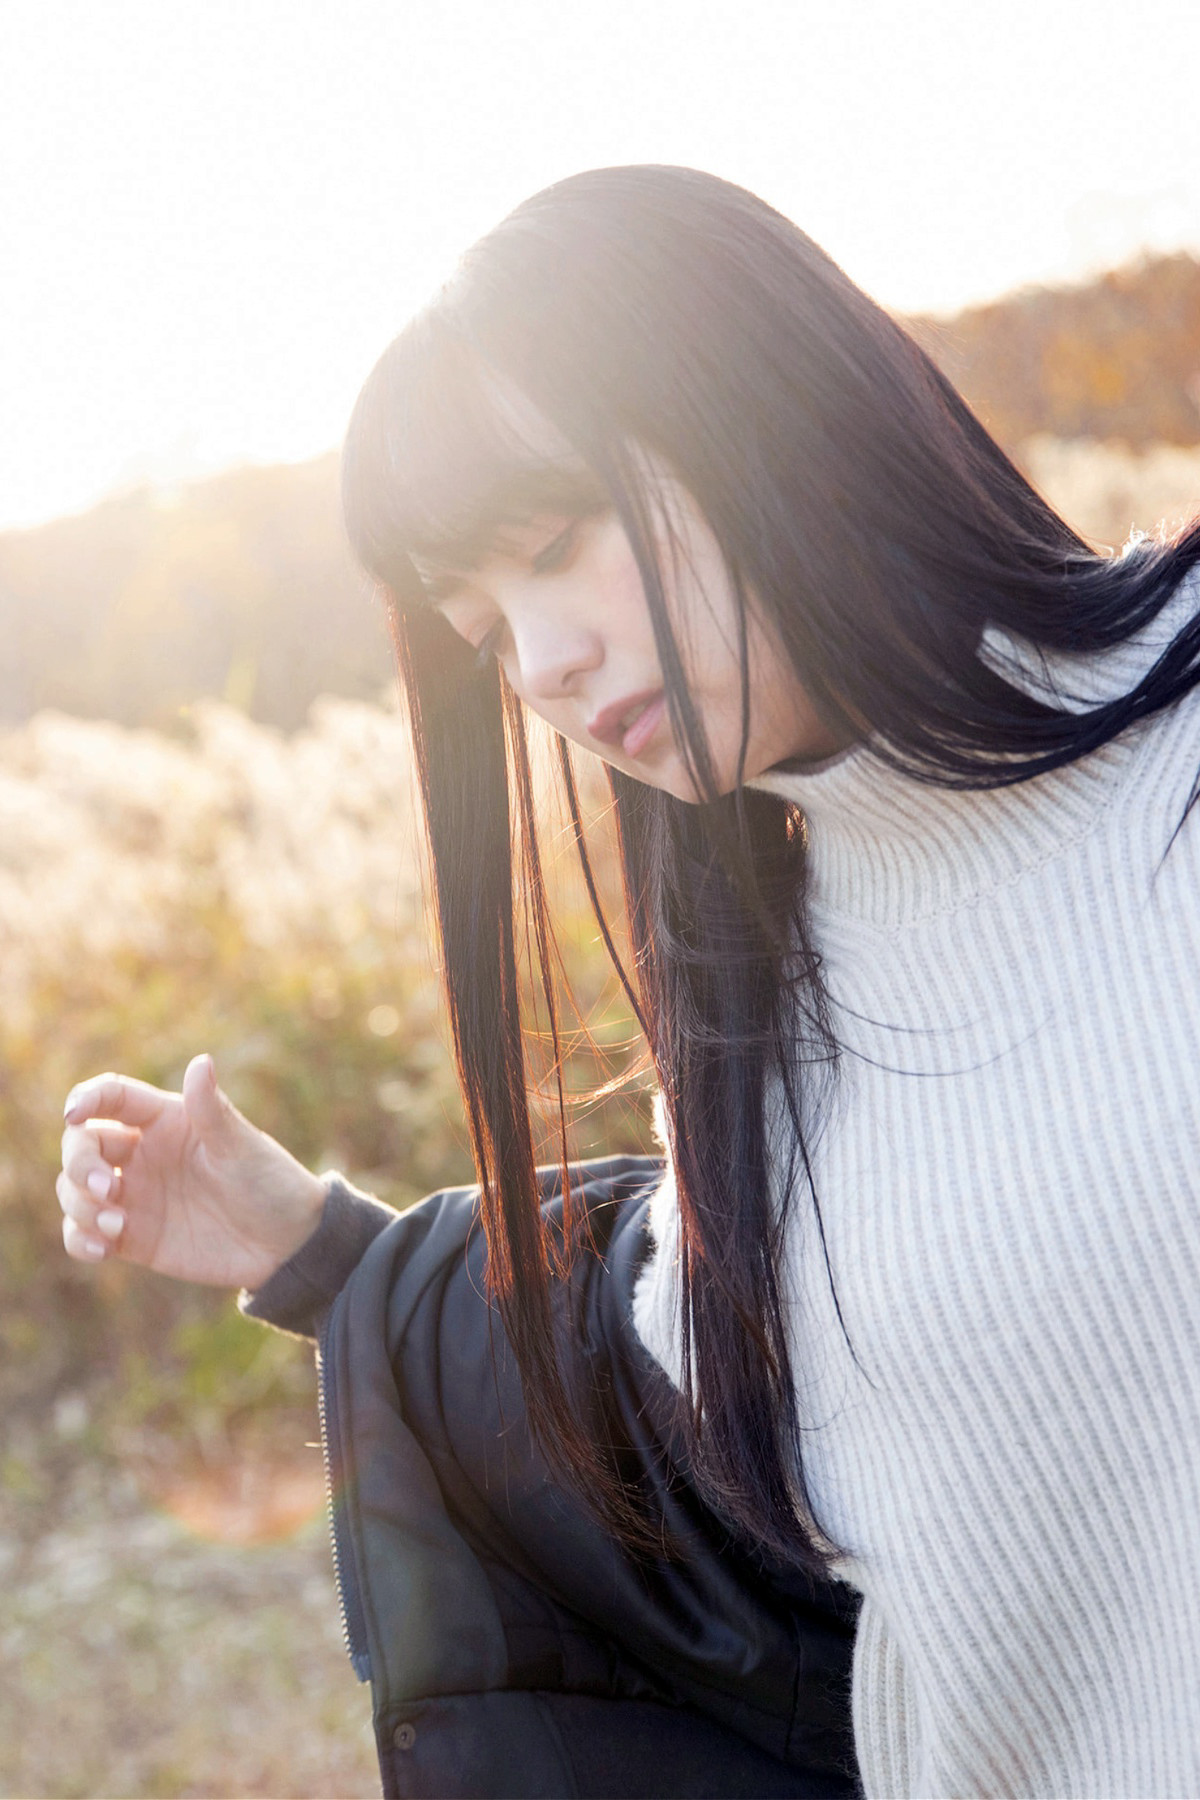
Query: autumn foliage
[1116,360]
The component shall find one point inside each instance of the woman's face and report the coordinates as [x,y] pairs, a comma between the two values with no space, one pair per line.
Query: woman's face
[560,603]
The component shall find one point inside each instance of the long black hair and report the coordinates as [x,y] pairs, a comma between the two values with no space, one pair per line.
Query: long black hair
[861,506]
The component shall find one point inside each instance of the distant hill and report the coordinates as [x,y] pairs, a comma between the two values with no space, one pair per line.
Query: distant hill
[1117,359]
[242,586]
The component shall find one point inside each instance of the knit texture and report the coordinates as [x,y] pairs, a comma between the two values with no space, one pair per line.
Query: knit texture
[1009,1173]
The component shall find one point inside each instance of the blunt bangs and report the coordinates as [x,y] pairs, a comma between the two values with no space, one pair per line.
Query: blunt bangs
[442,456]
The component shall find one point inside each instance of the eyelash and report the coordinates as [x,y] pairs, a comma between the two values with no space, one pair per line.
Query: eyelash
[557,550]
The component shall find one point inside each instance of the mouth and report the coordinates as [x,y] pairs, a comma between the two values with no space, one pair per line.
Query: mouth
[630,722]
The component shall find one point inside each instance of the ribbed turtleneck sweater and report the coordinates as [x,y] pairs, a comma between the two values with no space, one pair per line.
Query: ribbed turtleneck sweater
[1004,1441]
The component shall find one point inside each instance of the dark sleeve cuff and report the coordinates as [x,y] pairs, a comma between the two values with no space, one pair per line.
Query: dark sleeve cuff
[301,1291]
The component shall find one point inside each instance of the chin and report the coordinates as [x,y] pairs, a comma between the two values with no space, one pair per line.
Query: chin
[670,775]
[679,784]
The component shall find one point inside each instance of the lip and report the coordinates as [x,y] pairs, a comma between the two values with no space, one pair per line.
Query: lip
[643,728]
[606,727]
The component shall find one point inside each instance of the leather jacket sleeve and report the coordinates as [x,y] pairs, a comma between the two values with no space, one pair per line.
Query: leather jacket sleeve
[512,1645]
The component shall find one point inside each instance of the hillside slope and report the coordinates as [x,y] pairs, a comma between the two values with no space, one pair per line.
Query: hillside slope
[239,587]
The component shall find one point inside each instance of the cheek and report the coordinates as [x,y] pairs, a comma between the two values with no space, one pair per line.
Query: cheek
[617,596]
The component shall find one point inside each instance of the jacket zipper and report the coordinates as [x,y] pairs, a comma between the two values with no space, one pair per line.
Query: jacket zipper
[354,1634]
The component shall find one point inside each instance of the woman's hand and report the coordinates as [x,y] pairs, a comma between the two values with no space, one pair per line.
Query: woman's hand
[180,1183]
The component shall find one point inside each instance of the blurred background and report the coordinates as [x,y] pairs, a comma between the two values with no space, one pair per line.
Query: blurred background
[214,218]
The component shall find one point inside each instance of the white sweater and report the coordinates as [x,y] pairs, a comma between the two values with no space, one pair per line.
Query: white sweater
[1010,1177]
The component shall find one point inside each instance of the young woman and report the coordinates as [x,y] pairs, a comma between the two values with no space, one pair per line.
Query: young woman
[902,771]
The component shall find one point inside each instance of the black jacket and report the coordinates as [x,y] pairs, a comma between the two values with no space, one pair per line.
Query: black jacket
[512,1646]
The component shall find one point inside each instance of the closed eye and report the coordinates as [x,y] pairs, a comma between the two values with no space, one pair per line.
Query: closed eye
[442,589]
[555,554]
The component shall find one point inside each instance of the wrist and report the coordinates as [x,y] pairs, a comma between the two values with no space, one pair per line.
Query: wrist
[299,1289]
[305,1216]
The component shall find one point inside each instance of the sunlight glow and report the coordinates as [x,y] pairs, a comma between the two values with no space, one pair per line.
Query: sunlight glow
[217,214]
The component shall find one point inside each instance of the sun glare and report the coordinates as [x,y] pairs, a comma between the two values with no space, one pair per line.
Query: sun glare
[214,221]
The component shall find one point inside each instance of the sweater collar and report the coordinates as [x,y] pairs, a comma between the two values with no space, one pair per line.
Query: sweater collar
[889,849]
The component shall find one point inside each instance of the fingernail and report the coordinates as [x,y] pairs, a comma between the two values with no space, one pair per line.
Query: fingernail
[99,1184]
[71,1103]
[111,1222]
[92,1248]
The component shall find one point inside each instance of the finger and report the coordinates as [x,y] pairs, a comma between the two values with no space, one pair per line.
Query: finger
[96,1218]
[103,1146]
[98,1179]
[82,1246]
[117,1097]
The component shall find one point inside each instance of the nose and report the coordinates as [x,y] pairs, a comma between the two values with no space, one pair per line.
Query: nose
[554,655]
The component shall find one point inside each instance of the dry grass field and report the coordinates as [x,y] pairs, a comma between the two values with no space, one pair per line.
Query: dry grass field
[1106,490]
[138,1656]
[169,1624]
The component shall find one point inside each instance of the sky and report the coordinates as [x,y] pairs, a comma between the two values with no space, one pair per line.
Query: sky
[214,214]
